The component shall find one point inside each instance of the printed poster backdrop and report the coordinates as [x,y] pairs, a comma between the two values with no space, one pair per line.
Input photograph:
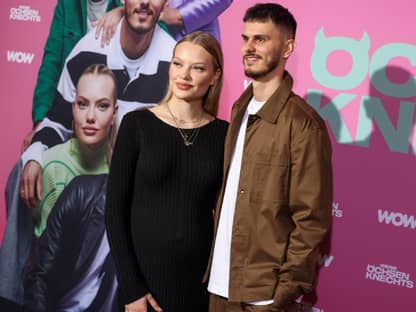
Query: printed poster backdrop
[355,63]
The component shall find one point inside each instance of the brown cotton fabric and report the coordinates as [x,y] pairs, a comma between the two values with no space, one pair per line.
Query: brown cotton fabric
[283,208]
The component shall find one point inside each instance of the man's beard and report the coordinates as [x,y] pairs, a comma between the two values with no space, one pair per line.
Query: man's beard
[141,30]
[270,66]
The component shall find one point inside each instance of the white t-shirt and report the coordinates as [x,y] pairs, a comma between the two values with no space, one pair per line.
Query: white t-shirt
[95,10]
[220,269]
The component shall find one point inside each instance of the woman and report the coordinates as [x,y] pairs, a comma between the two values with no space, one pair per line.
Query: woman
[165,174]
[93,111]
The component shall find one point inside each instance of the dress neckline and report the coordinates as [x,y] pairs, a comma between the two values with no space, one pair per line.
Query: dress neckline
[174,127]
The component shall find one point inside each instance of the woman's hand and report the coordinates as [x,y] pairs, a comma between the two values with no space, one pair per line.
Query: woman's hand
[31,183]
[107,25]
[140,305]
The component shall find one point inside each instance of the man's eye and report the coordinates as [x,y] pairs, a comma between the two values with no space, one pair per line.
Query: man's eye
[176,64]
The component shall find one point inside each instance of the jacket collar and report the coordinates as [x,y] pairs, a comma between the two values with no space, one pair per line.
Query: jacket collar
[274,105]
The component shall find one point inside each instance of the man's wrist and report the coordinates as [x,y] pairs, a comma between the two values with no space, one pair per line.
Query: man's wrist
[33,152]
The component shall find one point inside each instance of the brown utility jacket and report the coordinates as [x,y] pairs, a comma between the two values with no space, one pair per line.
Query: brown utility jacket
[283,208]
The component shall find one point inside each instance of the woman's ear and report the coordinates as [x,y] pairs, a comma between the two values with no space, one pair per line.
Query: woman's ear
[115,114]
[216,77]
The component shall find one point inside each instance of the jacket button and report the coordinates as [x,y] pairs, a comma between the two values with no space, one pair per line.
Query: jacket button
[242,191]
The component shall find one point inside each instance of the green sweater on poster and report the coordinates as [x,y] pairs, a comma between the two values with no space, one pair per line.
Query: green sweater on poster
[69,24]
[62,163]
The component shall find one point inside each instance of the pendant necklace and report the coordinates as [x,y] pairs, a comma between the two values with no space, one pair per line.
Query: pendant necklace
[188,138]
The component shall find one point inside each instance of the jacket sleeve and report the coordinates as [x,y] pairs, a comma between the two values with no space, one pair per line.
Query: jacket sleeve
[42,280]
[51,67]
[196,14]
[56,127]
[120,190]
[310,201]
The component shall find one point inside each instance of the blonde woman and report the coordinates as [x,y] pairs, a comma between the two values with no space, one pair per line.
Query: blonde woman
[165,174]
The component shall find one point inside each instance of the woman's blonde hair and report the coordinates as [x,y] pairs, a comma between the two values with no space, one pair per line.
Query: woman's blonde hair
[206,41]
[101,69]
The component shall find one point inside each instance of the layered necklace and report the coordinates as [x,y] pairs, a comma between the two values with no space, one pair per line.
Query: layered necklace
[189,136]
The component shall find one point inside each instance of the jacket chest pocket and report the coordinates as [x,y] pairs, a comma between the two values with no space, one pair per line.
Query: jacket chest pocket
[270,173]
[272,153]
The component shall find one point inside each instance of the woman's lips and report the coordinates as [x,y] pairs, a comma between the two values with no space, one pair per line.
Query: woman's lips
[89,130]
[183,86]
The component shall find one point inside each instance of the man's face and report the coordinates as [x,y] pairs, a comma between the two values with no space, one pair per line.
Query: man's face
[262,49]
[142,15]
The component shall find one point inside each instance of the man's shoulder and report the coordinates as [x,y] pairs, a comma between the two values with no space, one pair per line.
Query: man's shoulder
[164,43]
[301,111]
[89,43]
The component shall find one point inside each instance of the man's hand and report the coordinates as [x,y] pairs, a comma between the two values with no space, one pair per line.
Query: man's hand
[107,25]
[31,183]
[140,305]
[171,17]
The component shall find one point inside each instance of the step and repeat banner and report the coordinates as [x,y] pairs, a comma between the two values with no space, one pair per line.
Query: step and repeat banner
[355,63]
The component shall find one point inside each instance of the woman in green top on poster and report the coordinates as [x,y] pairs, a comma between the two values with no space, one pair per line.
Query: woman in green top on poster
[94,113]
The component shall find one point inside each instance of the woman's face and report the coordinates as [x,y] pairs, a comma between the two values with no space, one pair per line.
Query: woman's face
[191,72]
[94,109]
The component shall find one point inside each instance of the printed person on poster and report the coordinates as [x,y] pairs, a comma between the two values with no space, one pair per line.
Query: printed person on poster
[139,55]
[274,207]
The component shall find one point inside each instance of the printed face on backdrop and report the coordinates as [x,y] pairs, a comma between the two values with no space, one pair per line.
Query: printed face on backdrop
[263,49]
[191,72]
[94,109]
[142,15]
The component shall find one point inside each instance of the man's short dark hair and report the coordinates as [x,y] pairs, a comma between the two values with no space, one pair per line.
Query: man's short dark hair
[278,14]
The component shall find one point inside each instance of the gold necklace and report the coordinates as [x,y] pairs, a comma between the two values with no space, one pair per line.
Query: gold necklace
[188,138]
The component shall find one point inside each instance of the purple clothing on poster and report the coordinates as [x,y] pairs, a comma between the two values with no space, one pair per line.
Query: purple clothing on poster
[200,15]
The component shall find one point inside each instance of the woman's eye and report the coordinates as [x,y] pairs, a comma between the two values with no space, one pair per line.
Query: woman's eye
[176,64]
[199,69]
[82,104]
[103,106]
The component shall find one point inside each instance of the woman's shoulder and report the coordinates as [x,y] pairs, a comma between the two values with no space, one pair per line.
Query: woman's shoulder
[221,124]
[137,115]
[56,151]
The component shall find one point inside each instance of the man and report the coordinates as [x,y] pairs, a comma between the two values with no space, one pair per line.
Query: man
[139,55]
[275,204]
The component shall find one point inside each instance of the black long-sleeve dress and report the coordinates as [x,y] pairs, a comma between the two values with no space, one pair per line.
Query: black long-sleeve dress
[160,197]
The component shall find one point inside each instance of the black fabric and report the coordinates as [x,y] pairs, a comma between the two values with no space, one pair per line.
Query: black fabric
[81,61]
[61,110]
[146,88]
[69,243]
[159,210]
[47,136]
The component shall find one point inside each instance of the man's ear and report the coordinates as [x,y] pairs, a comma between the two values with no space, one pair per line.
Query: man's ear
[290,46]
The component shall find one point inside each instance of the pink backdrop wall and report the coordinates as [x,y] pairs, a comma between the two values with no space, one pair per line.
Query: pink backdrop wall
[355,62]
